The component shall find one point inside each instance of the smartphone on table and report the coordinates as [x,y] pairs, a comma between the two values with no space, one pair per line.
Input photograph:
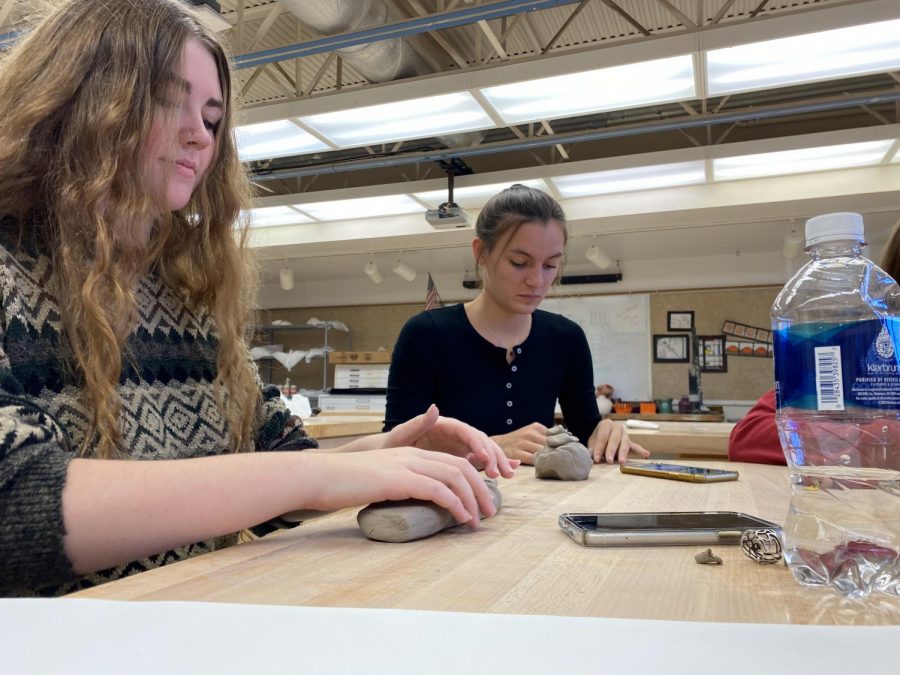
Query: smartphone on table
[673,528]
[692,474]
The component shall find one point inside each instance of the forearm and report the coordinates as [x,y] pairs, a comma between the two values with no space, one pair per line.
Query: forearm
[118,511]
[370,442]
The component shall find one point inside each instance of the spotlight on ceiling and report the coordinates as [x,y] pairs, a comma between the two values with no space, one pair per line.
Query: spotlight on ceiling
[372,271]
[404,271]
[597,257]
[793,244]
[286,277]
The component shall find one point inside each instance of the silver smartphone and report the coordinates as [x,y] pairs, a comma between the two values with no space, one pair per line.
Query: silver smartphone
[674,528]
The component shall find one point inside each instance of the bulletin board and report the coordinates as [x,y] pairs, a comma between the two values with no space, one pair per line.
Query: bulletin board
[618,332]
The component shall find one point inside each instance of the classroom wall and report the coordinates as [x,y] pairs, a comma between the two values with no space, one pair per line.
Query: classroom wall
[747,377]
[376,326]
[372,327]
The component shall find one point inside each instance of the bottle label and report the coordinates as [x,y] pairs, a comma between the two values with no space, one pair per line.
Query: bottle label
[823,366]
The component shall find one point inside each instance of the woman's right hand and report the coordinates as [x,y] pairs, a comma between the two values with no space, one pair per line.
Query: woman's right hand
[353,479]
[523,444]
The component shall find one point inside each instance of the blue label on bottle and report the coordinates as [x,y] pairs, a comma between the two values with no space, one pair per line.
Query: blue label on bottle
[824,366]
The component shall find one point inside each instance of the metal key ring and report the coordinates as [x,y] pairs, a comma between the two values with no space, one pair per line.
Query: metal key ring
[763,545]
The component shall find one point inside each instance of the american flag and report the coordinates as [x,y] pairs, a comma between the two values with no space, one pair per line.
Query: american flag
[432,299]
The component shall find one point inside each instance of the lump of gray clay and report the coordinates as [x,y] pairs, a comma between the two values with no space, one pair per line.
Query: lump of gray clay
[558,429]
[411,519]
[561,438]
[571,461]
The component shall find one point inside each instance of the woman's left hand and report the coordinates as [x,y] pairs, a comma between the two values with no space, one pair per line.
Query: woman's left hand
[610,443]
[430,431]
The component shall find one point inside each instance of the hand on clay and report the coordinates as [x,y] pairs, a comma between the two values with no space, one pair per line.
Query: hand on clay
[445,434]
[354,479]
[522,444]
[610,443]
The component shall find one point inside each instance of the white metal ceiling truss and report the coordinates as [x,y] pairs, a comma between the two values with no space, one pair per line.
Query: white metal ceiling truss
[261,25]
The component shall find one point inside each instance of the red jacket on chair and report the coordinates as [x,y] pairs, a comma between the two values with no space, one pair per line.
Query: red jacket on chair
[755,437]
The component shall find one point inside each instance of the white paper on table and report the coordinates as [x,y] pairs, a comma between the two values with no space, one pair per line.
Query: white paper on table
[101,636]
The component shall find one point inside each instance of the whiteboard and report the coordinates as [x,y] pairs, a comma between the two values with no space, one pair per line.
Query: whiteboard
[618,332]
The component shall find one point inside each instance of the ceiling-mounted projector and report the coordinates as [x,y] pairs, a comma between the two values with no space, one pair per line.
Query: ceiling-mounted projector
[447,217]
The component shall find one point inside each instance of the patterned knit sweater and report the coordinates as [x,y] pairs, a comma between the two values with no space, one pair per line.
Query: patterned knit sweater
[168,412]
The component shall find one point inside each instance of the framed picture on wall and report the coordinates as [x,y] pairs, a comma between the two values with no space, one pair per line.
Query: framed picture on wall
[712,353]
[680,320]
[670,349]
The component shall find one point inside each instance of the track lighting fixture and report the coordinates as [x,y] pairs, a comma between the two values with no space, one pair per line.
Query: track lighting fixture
[372,271]
[286,277]
[793,244]
[404,271]
[597,257]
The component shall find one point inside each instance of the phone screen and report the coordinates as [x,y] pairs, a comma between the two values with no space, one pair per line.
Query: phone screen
[719,520]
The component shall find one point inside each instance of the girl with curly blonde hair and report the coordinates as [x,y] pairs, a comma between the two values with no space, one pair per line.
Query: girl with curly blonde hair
[126,290]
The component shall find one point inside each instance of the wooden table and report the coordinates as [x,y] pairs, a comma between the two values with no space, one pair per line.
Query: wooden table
[332,430]
[520,562]
[671,417]
[685,440]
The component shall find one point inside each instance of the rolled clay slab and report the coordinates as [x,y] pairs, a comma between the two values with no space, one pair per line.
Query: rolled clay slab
[411,519]
[570,461]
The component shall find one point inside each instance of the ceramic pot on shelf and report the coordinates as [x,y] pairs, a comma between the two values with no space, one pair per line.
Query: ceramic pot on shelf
[664,406]
[621,408]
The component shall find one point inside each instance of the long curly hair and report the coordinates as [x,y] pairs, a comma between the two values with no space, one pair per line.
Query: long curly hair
[77,99]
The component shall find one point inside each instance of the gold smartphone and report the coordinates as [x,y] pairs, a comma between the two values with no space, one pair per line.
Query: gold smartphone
[692,474]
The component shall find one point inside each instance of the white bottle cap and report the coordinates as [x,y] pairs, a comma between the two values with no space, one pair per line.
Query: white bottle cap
[834,227]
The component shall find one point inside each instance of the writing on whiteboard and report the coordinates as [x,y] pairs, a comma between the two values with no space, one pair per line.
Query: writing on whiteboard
[618,333]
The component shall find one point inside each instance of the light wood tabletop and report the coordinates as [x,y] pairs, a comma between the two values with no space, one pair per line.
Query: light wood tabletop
[687,440]
[343,426]
[671,417]
[520,562]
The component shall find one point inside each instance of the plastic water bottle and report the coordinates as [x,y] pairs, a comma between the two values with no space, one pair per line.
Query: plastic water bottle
[837,385]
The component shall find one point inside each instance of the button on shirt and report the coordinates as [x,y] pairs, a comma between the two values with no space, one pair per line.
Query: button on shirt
[440,358]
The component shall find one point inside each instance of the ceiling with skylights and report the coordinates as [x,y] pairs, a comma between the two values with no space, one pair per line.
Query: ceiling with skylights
[619,108]
[526,79]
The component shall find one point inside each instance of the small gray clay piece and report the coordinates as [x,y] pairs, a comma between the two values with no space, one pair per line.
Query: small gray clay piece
[571,461]
[411,519]
[707,557]
[558,429]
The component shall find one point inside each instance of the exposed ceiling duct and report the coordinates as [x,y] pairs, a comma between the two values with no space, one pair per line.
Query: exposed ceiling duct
[380,61]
